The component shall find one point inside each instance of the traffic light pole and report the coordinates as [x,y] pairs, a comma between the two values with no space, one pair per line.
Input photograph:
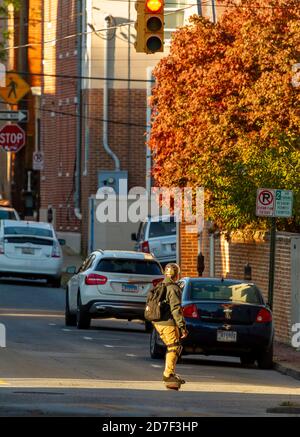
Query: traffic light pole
[272,262]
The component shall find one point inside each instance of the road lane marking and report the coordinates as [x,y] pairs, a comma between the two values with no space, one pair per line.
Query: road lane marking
[87,338]
[66,330]
[52,324]
[284,387]
[156,366]
[30,315]
[109,345]
[2,382]
[130,355]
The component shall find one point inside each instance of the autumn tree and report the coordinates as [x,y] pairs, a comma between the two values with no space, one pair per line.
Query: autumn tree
[226,111]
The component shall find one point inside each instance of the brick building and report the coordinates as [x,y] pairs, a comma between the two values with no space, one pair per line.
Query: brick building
[72,113]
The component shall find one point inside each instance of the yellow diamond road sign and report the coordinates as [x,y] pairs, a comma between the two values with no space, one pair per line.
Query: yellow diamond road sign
[16,88]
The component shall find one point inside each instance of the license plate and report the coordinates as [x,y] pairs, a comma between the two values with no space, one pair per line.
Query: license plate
[27,251]
[130,288]
[227,336]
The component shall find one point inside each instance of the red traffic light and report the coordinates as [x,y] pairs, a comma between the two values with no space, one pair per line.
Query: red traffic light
[154,5]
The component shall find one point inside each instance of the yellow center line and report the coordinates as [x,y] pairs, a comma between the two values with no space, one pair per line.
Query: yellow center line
[3,382]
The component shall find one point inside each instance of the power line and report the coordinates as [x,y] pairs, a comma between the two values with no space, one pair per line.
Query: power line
[94,31]
[65,76]
[144,126]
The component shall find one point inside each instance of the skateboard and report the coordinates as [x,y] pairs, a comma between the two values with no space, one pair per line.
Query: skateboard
[173,385]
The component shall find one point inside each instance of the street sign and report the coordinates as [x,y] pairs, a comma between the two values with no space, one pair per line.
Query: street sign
[274,203]
[19,116]
[284,203]
[265,202]
[12,138]
[16,88]
[38,161]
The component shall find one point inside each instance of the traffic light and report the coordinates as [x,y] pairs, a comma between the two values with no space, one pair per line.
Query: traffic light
[150,26]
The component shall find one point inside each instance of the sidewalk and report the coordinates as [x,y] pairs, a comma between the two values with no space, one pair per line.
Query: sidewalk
[70,259]
[287,360]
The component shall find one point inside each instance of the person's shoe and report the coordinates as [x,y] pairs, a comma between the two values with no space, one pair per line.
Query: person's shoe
[182,381]
[173,378]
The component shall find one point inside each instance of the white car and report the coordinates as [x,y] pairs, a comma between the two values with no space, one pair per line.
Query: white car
[30,250]
[111,284]
[157,235]
[7,213]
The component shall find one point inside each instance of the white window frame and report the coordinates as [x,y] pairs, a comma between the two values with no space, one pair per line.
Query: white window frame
[173,8]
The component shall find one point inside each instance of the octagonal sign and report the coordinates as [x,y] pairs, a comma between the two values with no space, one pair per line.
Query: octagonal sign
[12,138]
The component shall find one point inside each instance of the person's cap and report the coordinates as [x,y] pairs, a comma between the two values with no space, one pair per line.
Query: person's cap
[172,270]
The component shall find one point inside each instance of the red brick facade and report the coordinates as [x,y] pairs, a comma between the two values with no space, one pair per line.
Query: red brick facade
[230,259]
[59,110]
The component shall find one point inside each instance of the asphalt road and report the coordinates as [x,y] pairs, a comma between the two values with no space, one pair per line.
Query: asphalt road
[47,369]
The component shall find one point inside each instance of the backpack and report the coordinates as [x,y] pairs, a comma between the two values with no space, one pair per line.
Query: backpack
[155,302]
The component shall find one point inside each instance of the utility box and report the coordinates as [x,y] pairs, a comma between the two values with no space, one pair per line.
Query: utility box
[118,180]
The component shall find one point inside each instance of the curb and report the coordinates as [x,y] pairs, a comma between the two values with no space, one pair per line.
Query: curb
[287,370]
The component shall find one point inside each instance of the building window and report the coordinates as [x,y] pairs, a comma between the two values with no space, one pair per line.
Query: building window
[174,16]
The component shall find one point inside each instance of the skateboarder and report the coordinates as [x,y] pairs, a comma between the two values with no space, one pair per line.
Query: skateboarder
[172,328]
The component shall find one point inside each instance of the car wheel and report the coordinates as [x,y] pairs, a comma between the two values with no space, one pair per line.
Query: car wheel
[265,359]
[247,360]
[156,351]
[70,319]
[148,326]
[55,282]
[83,319]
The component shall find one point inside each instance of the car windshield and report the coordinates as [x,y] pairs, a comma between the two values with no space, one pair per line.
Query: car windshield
[241,292]
[133,266]
[160,229]
[28,230]
[7,215]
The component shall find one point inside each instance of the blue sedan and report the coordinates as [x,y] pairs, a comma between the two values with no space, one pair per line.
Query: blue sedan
[224,317]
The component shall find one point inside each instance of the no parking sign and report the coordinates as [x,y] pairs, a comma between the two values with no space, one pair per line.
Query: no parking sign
[274,203]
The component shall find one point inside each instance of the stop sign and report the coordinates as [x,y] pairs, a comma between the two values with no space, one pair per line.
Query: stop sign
[12,138]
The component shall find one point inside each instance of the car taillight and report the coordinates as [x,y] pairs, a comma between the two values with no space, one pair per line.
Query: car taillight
[190,311]
[1,247]
[157,281]
[55,251]
[93,279]
[145,247]
[264,316]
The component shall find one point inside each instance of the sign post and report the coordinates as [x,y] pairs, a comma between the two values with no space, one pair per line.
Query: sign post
[273,203]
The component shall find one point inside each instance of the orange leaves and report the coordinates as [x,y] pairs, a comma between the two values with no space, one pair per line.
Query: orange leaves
[223,100]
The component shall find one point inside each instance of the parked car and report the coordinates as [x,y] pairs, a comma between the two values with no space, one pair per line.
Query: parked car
[30,250]
[157,235]
[111,284]
[7,213]
[224,317]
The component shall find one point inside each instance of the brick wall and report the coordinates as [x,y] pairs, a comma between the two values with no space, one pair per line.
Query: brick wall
[126,131]
[230,260]
[126,138]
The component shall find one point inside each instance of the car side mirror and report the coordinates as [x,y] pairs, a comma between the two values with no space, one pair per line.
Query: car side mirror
[62,242]
[71,270]
[134,237]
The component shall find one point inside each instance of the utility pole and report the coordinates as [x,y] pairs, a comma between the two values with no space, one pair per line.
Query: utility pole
[199,6]
[214,12]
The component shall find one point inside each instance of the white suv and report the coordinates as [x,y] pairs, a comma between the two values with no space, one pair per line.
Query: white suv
[111,284]
[157,235]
